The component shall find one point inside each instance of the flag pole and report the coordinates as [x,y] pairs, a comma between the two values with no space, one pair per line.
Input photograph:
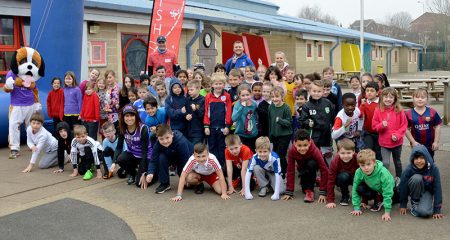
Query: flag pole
[148,41]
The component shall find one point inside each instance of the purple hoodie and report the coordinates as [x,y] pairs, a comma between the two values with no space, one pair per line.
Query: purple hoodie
[72,100]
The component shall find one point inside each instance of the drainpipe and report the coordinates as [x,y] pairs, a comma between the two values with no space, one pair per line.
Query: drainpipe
[197,34]
[389,60]
[338,42]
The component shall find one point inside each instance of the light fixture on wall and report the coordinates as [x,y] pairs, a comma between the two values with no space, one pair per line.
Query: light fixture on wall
[94,28]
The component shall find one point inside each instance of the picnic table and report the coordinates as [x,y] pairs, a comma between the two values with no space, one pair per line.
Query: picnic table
[430,82]
[340,75]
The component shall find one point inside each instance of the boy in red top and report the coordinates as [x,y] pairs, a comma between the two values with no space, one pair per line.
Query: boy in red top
[237,156]
[307,159]
[367,109]
[341,172]
[217,117]
[55,103]
[90,111]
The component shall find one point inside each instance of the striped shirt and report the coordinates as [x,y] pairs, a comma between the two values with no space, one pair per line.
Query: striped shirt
[271,165]
[78,148]
[422,126]
[211,165]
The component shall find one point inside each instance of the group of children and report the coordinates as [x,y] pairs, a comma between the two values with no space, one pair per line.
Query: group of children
[205,129]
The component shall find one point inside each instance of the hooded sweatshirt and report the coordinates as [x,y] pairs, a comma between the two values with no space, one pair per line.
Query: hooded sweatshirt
[380,180]
[431,178]
[63,144]
[242,62]
[397,124]
[174,104]
[72,100]
[90,111]
[55,104]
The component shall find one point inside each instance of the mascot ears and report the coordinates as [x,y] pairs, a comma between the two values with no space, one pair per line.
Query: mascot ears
[14,67]
[41,71]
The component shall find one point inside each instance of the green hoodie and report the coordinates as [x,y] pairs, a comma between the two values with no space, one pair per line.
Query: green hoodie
[380,180]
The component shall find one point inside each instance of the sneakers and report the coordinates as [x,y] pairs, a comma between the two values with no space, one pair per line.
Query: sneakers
[162,188]
[121,173]
[172,171]
[236,182]
[344,200]
[131,180]
[414,205]
[199,189]
[309,198]
[376,207]
[88,175]
[14,154]
[263,191]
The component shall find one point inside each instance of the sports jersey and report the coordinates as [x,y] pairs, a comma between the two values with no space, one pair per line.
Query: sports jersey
[339,128]
[422,126]
[209,167]
[271,165]
[78,147]
[244,155]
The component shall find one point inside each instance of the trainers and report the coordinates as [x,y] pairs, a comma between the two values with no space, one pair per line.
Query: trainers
[236,182]
[14,154]
[121,173]
[344,200]
[414,205]
[309,198]
[263,191]
[376,207]
[199,189]
[172,171]
[162,188]
[131,180]
[88,175]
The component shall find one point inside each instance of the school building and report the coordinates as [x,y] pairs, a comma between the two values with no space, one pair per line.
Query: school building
[115,36]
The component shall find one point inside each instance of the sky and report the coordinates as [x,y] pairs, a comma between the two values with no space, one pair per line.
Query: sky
[347,11]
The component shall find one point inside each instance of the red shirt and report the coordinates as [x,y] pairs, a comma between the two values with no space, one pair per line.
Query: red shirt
[166,59]
[367,110]
[338,166]
[90,111]
[55,104]
[244,155]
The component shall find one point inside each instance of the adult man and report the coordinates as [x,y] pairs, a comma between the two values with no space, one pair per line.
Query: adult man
[163,57]
[239,59]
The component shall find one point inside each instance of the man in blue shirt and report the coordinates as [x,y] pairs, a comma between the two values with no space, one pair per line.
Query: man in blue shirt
[239,59]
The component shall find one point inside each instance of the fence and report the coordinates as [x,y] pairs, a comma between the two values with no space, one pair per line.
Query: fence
[435,61]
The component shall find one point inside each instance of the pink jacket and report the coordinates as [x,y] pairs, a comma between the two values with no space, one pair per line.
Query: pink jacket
[396,125]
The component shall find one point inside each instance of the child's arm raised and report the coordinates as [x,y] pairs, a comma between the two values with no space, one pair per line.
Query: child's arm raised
[181,184]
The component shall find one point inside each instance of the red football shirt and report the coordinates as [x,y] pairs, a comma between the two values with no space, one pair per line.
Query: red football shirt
[167,59]
[244,155]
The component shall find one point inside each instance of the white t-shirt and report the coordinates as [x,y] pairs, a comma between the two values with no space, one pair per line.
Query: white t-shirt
[211,165]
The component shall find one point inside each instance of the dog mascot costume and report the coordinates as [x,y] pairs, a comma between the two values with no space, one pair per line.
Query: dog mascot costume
[27,66]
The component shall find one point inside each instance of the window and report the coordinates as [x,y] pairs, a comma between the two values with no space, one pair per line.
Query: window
[309,50]
[12,37]
[7,31]
[320,50]
[381,53]
[134,52]
[376,53]
[409,56]
[415,56]
[395,56]
[372,55]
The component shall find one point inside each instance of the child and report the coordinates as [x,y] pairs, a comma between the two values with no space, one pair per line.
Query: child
[155,116]
[151,85]
[390,122]
[103,98]
[132,95]
[355,85]
[280,63]
[144,79]
[265,164]
[171,148]
[365,79]
[217,118]
[64,137]
[348,123]
[127,84]
[424,123]
[234,82]
[237,157]
[220,68]
[162,93]
[182,75]
[301,97]
[139,104]
[280,126]
[421,181]
[112,96]
[298,81]
[139,149]
[244,116]
[206,86]
[201,167]
[263,110]
[249,75]
[372,181]
[161,73]
[304,156]
[327,84]
[290,86]
[176,106]
[308,79]
[38,139]
[195,107]
[190,72]
[328,73]
[90,111]
[317,117]
[273,75]
[367,108]
[72,99]
[261,72]
[89,152]
[109,145]
[93,78]
[55,103]
[341,172]
[382,80]
[256,92]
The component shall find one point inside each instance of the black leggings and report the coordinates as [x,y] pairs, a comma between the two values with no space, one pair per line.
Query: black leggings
[88,160]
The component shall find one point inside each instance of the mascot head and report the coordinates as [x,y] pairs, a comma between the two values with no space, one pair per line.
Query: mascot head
[27,64]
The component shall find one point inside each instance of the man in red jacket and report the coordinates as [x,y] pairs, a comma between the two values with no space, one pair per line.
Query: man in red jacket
[307,158]
[341,172]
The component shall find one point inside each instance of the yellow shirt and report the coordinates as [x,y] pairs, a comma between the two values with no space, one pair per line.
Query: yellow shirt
[289,98]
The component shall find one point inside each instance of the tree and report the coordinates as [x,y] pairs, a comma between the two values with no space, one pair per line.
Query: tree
[440,6]
[401,20]
[314,13]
